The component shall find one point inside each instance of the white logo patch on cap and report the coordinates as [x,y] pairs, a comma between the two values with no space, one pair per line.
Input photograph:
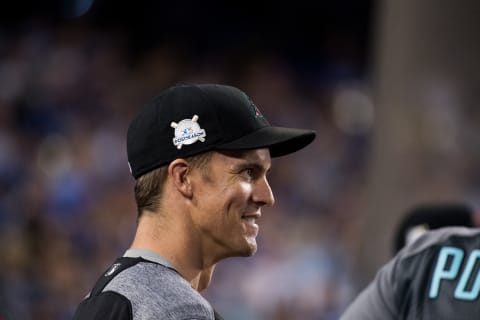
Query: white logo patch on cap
[187,131]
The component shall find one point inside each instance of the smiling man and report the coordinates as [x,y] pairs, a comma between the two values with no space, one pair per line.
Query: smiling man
[200,155]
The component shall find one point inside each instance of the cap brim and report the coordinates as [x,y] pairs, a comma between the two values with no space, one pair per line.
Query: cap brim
[281,141]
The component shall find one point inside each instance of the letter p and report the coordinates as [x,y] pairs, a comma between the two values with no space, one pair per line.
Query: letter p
[441,272]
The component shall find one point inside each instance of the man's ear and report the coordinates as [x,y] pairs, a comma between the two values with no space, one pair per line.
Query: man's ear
[178,171]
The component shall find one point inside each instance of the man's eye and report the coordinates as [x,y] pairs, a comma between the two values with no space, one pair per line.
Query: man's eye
[249,172]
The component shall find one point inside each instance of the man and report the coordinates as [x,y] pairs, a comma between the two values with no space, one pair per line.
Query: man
[430,216]
[200,155]
[434,276]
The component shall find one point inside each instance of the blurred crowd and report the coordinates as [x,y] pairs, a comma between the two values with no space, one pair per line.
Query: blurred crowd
[66,194]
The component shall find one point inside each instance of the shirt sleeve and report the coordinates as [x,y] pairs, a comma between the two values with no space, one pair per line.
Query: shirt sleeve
[377,300]
[106,306]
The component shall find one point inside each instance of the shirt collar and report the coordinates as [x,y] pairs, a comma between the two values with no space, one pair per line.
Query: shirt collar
[148,255]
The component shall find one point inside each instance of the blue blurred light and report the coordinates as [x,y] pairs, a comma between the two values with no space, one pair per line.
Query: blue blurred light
[80,7]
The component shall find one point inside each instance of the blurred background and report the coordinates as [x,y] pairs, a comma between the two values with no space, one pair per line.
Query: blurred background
[391,87]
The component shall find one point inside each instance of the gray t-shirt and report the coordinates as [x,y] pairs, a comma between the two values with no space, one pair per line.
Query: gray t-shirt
[143,286]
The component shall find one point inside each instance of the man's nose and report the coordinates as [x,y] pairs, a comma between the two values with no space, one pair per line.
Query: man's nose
[263,193]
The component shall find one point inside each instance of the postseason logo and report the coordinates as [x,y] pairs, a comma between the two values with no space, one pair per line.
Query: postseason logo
[187,131]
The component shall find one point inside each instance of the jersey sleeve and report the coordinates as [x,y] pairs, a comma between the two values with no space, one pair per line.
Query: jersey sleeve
[377,300]
[106,306]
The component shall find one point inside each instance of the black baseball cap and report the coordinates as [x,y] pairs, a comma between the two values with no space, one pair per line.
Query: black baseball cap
[429,216]
[186,120]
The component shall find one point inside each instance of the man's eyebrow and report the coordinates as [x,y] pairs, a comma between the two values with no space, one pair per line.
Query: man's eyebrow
[253,165]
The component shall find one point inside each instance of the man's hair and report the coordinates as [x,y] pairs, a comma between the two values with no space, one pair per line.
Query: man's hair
[149,187]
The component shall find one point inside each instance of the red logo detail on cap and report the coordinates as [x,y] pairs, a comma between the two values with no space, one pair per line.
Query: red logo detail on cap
[255,109]
[257,112]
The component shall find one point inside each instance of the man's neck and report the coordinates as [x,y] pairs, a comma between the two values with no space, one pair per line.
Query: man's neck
[175,246]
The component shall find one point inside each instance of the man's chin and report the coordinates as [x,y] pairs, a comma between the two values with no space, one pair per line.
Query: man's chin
[248,250]
[251,249]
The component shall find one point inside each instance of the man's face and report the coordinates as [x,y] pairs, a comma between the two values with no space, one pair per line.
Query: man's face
[227,201]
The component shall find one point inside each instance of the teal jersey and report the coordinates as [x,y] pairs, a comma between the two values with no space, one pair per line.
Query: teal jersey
[436,277]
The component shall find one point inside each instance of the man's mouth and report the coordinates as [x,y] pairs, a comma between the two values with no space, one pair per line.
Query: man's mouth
[251,219]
